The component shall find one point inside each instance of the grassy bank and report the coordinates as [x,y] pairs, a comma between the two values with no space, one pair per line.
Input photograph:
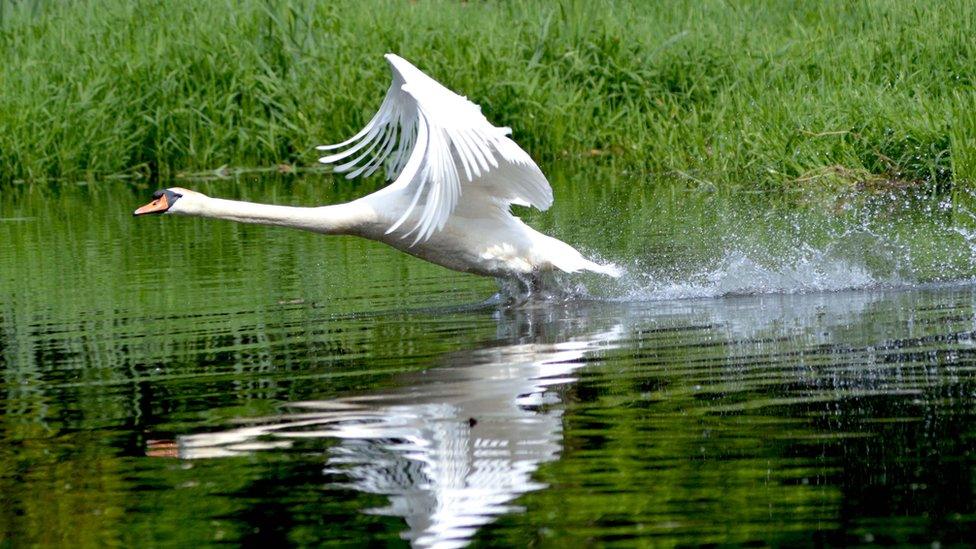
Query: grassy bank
[755,94]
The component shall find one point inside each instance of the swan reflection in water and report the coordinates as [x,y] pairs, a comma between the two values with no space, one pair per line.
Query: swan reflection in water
[453,446]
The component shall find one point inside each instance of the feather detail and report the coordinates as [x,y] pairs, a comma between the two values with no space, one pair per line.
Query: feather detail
[434,144]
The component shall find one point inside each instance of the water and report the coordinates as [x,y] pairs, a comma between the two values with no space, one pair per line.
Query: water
[764,374]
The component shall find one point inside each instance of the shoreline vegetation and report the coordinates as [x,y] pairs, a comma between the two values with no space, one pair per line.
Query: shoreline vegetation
[754,95]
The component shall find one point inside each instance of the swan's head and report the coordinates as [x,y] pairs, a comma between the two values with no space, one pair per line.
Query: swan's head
[171,200]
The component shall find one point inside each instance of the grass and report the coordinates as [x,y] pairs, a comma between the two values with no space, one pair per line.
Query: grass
[762,95]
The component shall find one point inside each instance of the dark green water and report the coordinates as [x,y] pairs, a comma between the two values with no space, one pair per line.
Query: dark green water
[181,382]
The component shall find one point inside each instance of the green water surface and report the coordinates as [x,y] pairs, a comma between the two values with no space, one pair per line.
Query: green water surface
[770,371]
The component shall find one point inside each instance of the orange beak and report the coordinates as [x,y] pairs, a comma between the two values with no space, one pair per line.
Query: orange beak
[159,205]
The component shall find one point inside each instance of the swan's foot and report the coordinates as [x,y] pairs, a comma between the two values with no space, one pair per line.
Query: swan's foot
[522,289]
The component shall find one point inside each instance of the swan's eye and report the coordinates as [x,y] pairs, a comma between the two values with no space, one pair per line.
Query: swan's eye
[169,194]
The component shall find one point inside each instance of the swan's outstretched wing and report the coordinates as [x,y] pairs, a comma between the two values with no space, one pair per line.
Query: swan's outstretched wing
[434,144]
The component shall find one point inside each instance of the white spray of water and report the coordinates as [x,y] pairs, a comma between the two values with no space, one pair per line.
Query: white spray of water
[739,274]
[893,242]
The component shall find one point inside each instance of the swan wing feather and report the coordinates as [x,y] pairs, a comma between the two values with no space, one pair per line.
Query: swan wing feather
[434,144]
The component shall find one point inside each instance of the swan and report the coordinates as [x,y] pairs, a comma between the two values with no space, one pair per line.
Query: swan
[454,176]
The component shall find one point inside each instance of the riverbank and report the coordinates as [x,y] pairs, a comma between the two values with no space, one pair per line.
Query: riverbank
[759,95]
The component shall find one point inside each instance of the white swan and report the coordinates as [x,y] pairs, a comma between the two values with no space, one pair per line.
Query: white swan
[454,177]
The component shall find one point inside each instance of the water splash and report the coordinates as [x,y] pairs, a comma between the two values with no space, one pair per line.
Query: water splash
[894,240]
[737,273]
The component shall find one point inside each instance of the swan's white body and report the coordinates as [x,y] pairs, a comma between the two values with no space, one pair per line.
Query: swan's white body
[454,177]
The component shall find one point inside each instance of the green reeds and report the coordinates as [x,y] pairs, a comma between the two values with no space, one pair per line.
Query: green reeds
[755,94]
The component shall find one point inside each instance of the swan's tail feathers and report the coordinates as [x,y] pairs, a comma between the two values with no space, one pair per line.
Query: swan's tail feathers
[610,269]
[575,262]
[563,257]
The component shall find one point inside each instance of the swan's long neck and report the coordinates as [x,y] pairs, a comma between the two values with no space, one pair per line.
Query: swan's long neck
[348,218]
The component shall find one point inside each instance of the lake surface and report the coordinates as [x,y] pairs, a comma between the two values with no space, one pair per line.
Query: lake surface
[764,374]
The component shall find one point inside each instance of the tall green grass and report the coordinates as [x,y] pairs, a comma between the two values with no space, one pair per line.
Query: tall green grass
[754,94]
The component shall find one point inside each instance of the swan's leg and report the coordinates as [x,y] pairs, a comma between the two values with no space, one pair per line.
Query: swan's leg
[508,289]
[535,283]
[529,285]
[523,288]
[516,290]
